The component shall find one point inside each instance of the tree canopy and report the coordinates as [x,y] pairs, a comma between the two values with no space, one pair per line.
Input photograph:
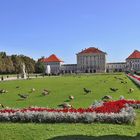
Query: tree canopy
[13,64]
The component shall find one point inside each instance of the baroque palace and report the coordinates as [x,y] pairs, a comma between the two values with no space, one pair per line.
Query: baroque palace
[91,60]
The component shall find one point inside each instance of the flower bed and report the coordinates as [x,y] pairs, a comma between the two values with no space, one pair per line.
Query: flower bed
[107,107]
[133,103]
[135,78]
[112,112]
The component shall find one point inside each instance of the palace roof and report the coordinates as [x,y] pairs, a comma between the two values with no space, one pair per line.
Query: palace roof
[91,50]
[135,55]
[52,58]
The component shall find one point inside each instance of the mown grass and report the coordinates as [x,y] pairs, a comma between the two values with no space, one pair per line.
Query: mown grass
[61,88]
[65,131]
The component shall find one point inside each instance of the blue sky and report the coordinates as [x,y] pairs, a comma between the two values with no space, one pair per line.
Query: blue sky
[41,27]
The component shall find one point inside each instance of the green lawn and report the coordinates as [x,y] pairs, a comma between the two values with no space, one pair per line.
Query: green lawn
[61,88]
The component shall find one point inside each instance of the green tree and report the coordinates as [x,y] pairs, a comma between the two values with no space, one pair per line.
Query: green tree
[39,67]
[6,64]
[16,63]
[9,67]
[29,63]
[13,63]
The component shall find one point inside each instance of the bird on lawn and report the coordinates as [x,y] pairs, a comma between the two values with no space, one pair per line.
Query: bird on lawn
[33,90]
[45,92]
[3,91]
[25,96]
[65,105]
[106,97]
[1,105]
[114,89]
[131,90]
[71,97]
[87,90]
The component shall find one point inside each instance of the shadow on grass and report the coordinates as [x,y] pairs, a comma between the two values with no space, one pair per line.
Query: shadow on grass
[41,95]
[107,137]
[67,100]
[20,100]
